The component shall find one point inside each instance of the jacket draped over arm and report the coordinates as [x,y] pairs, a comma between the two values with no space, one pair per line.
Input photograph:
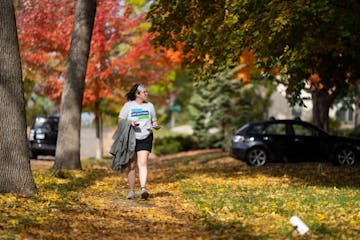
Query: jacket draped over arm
[123,147]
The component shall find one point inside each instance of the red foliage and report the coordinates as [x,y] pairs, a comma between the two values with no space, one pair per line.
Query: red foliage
[316,81]
[120,55]
[314,78]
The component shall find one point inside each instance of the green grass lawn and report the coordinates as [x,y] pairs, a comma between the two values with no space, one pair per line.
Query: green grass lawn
[194,195]
[243,202]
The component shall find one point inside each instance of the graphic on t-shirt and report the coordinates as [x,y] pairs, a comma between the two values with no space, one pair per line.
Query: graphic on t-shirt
[140,113]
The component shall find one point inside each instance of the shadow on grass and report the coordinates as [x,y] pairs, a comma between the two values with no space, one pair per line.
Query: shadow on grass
[309,173]
[218,167]
[162,194]
[192,164]
[81,220]
[312,173]
[75,183]
[233,230]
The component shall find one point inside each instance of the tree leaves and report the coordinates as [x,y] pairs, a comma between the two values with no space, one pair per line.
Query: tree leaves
[92,204]
[120,55]
[257,203]
[297,36]
[193,195]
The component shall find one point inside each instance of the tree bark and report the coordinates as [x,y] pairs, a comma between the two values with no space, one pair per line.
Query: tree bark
[68,143]
[357,105]
[321,104]
[15,171]
[99,131]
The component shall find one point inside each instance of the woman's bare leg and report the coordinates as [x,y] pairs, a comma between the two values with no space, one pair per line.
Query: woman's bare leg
[142,158]
[131,174]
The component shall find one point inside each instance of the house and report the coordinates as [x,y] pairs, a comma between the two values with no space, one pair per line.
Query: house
[281,109]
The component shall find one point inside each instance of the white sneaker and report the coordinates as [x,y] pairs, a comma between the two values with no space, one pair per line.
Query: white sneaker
[144,194]
[131,195]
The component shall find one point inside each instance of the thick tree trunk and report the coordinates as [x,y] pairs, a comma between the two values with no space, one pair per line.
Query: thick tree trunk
[15,171]
[357,106]
[68,144]
[321,105]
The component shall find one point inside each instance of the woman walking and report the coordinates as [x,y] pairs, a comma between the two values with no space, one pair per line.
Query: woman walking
[141,114]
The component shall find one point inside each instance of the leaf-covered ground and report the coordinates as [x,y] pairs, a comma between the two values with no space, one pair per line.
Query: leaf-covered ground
[193,196]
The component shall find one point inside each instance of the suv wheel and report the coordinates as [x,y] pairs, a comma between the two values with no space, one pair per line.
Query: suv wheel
[345,156]
[256,157]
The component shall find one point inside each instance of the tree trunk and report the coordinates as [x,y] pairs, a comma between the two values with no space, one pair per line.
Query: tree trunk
[172,112]
[68,144]
[321,104]
[15,171]
[357,106]
[99,135]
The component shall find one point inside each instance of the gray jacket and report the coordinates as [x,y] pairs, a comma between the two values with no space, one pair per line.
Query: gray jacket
[123,147]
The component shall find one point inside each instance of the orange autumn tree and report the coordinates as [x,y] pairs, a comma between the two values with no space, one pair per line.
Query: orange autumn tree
[247,58]
[120,55]
[44,29]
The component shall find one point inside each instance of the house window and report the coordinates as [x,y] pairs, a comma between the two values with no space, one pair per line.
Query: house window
[342,116]
[350,115]
[346,115]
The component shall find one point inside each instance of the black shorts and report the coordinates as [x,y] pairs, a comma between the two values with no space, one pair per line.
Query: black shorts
[144,144]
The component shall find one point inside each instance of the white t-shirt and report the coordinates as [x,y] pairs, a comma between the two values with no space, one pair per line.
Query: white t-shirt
[143,114]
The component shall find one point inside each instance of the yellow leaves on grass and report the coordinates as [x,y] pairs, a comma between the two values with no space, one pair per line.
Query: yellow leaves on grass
[195,197]
[237,200]
[321,217]
[92,204]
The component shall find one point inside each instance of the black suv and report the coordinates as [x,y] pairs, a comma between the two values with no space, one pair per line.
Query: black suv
[43,136]
[291,140]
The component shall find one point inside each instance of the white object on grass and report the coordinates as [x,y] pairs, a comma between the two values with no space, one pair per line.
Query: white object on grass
[299,225]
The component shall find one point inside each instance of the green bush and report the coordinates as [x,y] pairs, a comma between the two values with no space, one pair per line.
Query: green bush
[174,144]
[334,126]
[354,133]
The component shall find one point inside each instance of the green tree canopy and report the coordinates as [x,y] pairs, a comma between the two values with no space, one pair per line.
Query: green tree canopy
[292,40]
[223,104]
[296,36]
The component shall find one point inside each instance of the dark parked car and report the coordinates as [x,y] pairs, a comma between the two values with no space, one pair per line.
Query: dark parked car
[43,136]
[291,140]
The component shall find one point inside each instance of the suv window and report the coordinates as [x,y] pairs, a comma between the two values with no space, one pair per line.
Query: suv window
[256,129]
[50,124]
[275,129]
[301,130]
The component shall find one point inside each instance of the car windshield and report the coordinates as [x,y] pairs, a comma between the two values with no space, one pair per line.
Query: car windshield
[46,123]
[242,129]
[256,129]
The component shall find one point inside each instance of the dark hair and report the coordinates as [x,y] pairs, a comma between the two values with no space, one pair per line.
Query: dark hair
[131,95]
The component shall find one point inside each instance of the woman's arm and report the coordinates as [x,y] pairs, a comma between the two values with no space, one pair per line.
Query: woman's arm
[133,123]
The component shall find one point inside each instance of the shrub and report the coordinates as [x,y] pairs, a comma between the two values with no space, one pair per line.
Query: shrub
[334,126]
[354,133]
[174,144]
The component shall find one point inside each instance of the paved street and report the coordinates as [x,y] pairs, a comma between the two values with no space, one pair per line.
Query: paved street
[88,143]
[88,140]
